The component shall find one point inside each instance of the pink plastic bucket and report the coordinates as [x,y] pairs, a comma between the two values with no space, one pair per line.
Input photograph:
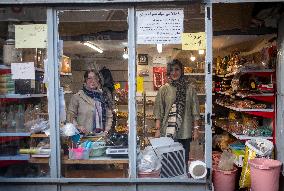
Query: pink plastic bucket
[154,174]
[264,174]
[224,180]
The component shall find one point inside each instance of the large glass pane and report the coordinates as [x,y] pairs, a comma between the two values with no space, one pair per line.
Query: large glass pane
[24,127]
[170,89]
[93,75]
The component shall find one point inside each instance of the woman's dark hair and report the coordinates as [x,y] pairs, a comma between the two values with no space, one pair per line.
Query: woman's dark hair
[173,63]
[86,74]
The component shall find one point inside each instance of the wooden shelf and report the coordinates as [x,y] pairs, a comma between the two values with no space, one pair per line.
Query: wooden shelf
[41,135]
[97,160]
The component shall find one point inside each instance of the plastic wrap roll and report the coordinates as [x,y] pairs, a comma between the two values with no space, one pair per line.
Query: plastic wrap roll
[197,169]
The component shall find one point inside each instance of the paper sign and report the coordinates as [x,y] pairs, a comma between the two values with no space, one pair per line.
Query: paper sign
[25,70]
[117,86]
[159,26]
[140,84]
[31,36]
[193,41]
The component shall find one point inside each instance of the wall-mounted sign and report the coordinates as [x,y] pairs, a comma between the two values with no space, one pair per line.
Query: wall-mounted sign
[193,41]
[159,26]
[31,36]
[142,59]
[140,84]
[25,70]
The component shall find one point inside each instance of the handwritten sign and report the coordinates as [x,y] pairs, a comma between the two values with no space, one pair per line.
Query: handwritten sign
[193,41]
[140,84]
[31,36]
[25,70]
[159,26]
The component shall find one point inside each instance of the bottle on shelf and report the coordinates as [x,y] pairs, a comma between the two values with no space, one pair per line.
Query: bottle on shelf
[20,119]
[11,120]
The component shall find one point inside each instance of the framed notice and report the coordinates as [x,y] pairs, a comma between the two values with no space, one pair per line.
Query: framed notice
[142,59]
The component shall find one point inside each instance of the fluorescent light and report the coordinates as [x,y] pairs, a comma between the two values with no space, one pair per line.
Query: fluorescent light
[91,45]
[159,48]
[192,58]
[200,51]
[125,53]
[125,56]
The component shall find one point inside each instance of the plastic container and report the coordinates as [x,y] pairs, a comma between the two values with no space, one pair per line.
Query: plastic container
[224,180]
[153,174]
[79,153]
[264,174]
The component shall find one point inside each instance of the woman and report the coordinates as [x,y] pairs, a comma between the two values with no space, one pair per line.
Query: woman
[91,108]
[176,108]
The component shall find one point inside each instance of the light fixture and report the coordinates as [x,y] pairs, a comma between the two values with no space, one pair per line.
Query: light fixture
[125,53]
[192,58]
[200,52]
[91,45]
[159,48]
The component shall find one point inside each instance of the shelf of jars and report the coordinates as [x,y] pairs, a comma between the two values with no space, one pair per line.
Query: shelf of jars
[22,96]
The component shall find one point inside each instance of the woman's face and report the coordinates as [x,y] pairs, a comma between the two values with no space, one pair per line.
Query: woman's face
[175,72]
[92,82]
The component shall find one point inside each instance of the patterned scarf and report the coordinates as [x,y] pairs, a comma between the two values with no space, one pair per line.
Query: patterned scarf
[181,85]
[100,109]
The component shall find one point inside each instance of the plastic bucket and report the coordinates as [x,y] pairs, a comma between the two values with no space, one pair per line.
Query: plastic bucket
[264,174]
[153,174]
[224,180]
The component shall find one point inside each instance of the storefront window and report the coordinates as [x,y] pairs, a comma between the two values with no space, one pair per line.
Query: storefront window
[94,81]
[24,125]
[170,90]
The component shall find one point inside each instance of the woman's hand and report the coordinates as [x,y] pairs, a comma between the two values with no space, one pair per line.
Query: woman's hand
[82,129]
[157,133]
[195,134]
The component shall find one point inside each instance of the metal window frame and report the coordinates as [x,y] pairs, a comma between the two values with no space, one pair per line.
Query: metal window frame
[53,105]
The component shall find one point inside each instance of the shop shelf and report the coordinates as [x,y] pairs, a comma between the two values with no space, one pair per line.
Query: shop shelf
[65,74]
[22,96]
[4,67]
[194,74]
[41,135]
[266,97]
[245,137]
[15,134]
[15,157]
[267,113]
[68,92]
